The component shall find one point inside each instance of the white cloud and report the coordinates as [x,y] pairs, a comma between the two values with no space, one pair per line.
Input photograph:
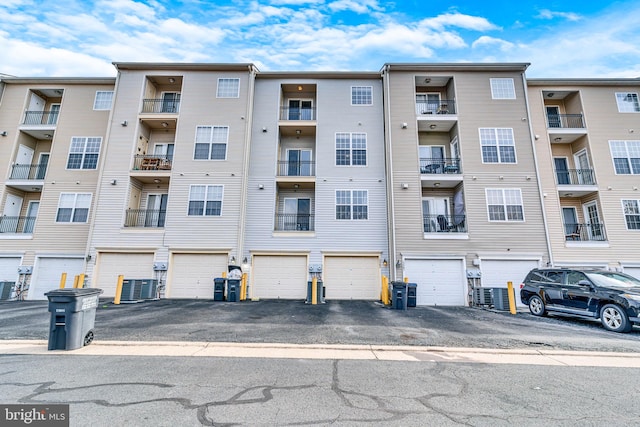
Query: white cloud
[358,6]
[487,41]
[458,20]
[569,16]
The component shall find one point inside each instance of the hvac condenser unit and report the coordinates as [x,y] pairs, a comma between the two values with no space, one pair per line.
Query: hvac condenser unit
[6,288]
[482,296]
[138,289]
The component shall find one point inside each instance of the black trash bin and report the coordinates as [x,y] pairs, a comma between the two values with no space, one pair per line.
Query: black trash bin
[233,290]
[73,315]
[218,288]
[398,295]
[412,294]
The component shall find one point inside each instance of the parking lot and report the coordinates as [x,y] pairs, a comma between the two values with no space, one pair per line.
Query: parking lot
[335,322]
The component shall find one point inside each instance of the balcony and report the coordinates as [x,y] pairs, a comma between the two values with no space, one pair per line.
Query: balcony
[295,222]
[296,168]
[160,106]
[297,113]
[588,232]
[29,178]
[569,121]
[147,218]
[444,223]
[443,106]
[17,224]
[440,166]
[152,162]
[436,116]
[575,182]
[41,118]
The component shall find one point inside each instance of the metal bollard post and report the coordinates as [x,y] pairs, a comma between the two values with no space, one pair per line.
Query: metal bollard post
[512,298]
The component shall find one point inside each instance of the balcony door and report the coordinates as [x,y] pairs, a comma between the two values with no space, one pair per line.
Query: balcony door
[553,116]
[170,102]
[562,170]
[594,226]
[436,214]
[11,214]
[23,163]
[427,103]
[431,158]
[585,174]
[156,210]
[571,226]
[53,114]
[32,214]
[298,162]
[300,109]
[42,165]
[297,213]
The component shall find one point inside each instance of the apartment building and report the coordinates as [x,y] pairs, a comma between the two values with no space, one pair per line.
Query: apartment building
[52,137]
[588,151]
[464,197]
[316,197]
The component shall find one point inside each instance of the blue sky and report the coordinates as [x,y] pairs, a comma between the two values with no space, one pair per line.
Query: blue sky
[560,39]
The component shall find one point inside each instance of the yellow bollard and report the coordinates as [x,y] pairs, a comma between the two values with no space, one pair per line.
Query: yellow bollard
[224,274]
[63,280]
[243,287]
[512,298]
[116,299]
[75,281]
[314,291]
[81,280]
[385,290]
[406,280]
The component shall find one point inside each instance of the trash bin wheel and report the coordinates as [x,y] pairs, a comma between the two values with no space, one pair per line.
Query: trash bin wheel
[88,339]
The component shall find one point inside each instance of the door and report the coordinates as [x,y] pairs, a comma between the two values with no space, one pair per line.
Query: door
[299,162]
[575,296]
[32,214]
[562,170]
[352,277]
[48,272]
[164,152]
[496,273]
[553,116]
[571,225]
[431,159]
[170,102]
[297,214]
[435,214]
[131,265]
[300,109]
[35,111]
[439,281]
[156,210]
[427,103]
[455,155]
[54,110]
[279,276]
[192,274]
[585,173]
[11,214]
[23,163]
[594,226]
[43,162]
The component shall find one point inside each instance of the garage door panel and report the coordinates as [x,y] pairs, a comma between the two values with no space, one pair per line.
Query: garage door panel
[48,272]
[130,265]
[9,269]
[496,274]
[279,276]
[348,277]
[192,274]
[439,281]
[633,271]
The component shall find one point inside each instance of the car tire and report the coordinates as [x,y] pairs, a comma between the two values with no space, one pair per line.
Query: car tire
[614,318]
[536,306]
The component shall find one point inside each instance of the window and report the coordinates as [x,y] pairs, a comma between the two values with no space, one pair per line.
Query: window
[103,100]
[627,102]
[352,204]
[205,200]
[626,157]
[632,214]
[73,207]
[228,88]
[361,95]
[351,149]
[84,152]
[211,143]
[502,89]
[505,204]
[498,145]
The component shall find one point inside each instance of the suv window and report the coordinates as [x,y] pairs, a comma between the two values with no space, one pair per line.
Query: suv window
[555,277]
[573,277]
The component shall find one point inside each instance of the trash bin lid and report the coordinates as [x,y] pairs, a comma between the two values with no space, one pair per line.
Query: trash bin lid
[73,292]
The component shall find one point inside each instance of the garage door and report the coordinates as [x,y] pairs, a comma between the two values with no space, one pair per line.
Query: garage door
[276,276]
[496,274]
[633,271]
[440,281]
[192,274]
[9,269]
[46,277]
[131,265]
[351,278]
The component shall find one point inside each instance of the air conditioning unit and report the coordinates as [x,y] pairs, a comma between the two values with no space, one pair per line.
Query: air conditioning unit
[138,289]
[6,288]
[482,296]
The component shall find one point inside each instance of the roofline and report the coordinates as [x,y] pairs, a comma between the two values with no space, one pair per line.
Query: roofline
[457,66]
[584,82]
[185,66]
[60,80]
[318,75]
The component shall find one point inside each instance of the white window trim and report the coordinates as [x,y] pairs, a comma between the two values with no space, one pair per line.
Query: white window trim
[360,105]
[84,152]
[366,149]
[628,156]
[218,88]
[74,208]
[204,209]
[624,94]
[504,205]
[495,89]
[95,100]
[351,204]
[226,151]
[515,153]
[624,214]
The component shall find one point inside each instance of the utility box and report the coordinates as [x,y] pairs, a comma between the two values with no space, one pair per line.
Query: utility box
[412,294]
[233,290]
[218,288]
[398,295]
[73,314]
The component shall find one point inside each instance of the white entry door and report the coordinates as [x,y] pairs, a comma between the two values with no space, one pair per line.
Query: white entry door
[11,214]
[23,163]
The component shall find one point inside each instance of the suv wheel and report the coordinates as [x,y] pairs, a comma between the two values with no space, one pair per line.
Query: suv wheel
[614,318]
[536,306]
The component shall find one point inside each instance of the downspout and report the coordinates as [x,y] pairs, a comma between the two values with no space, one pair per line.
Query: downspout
[535,164]
[389,173]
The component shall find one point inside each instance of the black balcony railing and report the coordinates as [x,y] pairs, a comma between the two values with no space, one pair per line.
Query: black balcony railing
[17,224]
[585,232]
[297,113]
[145,218]
[444,223]
[28,171]
[160,106]
[41,117]
[152,162]
[445,165]
[575,177]
[295,222]
[300,168]
[445,106]
[571,121]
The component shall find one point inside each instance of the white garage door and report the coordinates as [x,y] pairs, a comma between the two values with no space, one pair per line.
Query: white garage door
[355,277]
[192,274]
[279,276]
[440,281]
[9,269]
[496,274]
[131,265]
[632,271]
[47,275]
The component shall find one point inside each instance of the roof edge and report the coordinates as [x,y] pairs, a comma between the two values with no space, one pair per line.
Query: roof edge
[583,82]
[457,66]
[59,80]
[189,66]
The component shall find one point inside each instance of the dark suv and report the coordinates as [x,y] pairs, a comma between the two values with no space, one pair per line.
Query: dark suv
[612,297]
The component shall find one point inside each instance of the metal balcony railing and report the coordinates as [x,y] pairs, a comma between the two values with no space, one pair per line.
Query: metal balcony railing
[447,165]
[585,232]
[160,106]
[152,162]
[571,121]
[145,218]
[575,177]
[299,168]
[17,224]
[444,223]
[295,222]
[444,106]
[297,113]
[40,117]
[28,171]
